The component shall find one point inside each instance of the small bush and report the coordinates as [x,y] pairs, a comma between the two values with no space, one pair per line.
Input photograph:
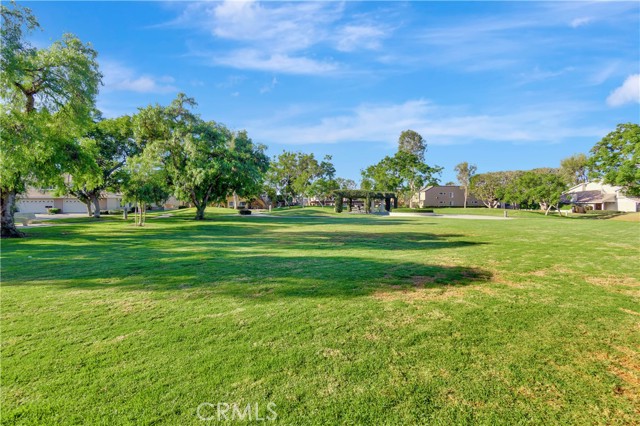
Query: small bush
[54,210]
[182,207]
[244,212]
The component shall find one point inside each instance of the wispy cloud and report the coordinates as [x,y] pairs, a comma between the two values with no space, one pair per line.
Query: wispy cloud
[253,59]
[440,125]
[354,37]
[278,37]
[269,87]
[628,93]
[118,77]
[538,74]
[604,73]
[579,22]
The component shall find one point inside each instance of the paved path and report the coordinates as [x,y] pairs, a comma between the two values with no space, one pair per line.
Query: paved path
[434,215]
[451,216]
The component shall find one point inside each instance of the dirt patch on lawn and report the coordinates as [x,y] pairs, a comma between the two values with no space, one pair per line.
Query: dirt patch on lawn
[628,286]
[445,292]
[625,365]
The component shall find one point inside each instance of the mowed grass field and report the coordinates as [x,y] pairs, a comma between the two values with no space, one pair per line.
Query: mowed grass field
[335,320]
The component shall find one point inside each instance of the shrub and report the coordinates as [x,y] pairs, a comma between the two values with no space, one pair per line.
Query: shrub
[182,207]
[54,210]
[244,212]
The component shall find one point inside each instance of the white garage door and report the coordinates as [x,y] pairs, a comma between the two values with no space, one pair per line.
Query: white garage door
[73,206]
[34,206]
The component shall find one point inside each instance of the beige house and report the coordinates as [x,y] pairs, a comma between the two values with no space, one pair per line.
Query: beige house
[599,196]
[444,196]
[41,200]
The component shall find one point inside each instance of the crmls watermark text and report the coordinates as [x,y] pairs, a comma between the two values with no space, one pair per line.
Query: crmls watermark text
[252,411]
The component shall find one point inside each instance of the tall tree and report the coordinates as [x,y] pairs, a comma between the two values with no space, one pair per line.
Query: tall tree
[346,183]
[204,161]
[486,187]
[279,177]
[47,98]
[110,143]
[616,158]
[543,187]
[250,164]
[465,172]
[325,183]
[573,169]
[403,173]
[412,142]
[145,182]
[292,174]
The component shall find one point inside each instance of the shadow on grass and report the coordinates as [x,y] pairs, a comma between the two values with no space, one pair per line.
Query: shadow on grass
[233,258]
[266,277]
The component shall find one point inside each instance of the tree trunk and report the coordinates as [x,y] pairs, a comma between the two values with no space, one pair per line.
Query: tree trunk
[96,206]
[465,197]
[88,204]
[8,224]
[200,211]
[235,200]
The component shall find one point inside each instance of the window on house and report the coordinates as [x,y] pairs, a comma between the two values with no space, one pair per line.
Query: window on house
[452,195]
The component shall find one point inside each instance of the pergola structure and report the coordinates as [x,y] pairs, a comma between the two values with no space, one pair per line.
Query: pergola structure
[368,196]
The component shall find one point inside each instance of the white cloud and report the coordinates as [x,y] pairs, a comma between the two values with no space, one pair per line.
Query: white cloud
[629,92]
[578,22]
[274,62]
[277,37]
[353,37]
[269,87]
[283,27]
[604,73]
[440,125]
[118,77]
[231,81]
[538,74]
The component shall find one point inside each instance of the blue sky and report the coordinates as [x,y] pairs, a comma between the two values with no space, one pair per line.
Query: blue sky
[504,85]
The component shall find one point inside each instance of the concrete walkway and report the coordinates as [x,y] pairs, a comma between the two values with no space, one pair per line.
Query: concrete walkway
[451,216]
[434,215]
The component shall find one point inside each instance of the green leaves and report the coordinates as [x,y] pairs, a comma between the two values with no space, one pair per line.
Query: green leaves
[47,97]
[203,160]
[295,174]
[404,173]
[616,158]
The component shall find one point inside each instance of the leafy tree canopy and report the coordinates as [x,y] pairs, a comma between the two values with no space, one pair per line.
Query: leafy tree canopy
[573,169]
[204,161]
[412,142]
[616,158]
[47,99]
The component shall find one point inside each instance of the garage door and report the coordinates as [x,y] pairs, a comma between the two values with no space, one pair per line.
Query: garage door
[73,206]
[33,206]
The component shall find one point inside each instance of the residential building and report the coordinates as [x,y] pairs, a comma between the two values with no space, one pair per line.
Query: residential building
[41,200]
[599,196]
[444,196]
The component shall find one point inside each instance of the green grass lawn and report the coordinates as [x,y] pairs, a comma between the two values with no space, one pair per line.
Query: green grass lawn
[336,320]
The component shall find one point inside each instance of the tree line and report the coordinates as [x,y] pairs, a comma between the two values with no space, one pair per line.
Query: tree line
[614,160]
[53,136]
